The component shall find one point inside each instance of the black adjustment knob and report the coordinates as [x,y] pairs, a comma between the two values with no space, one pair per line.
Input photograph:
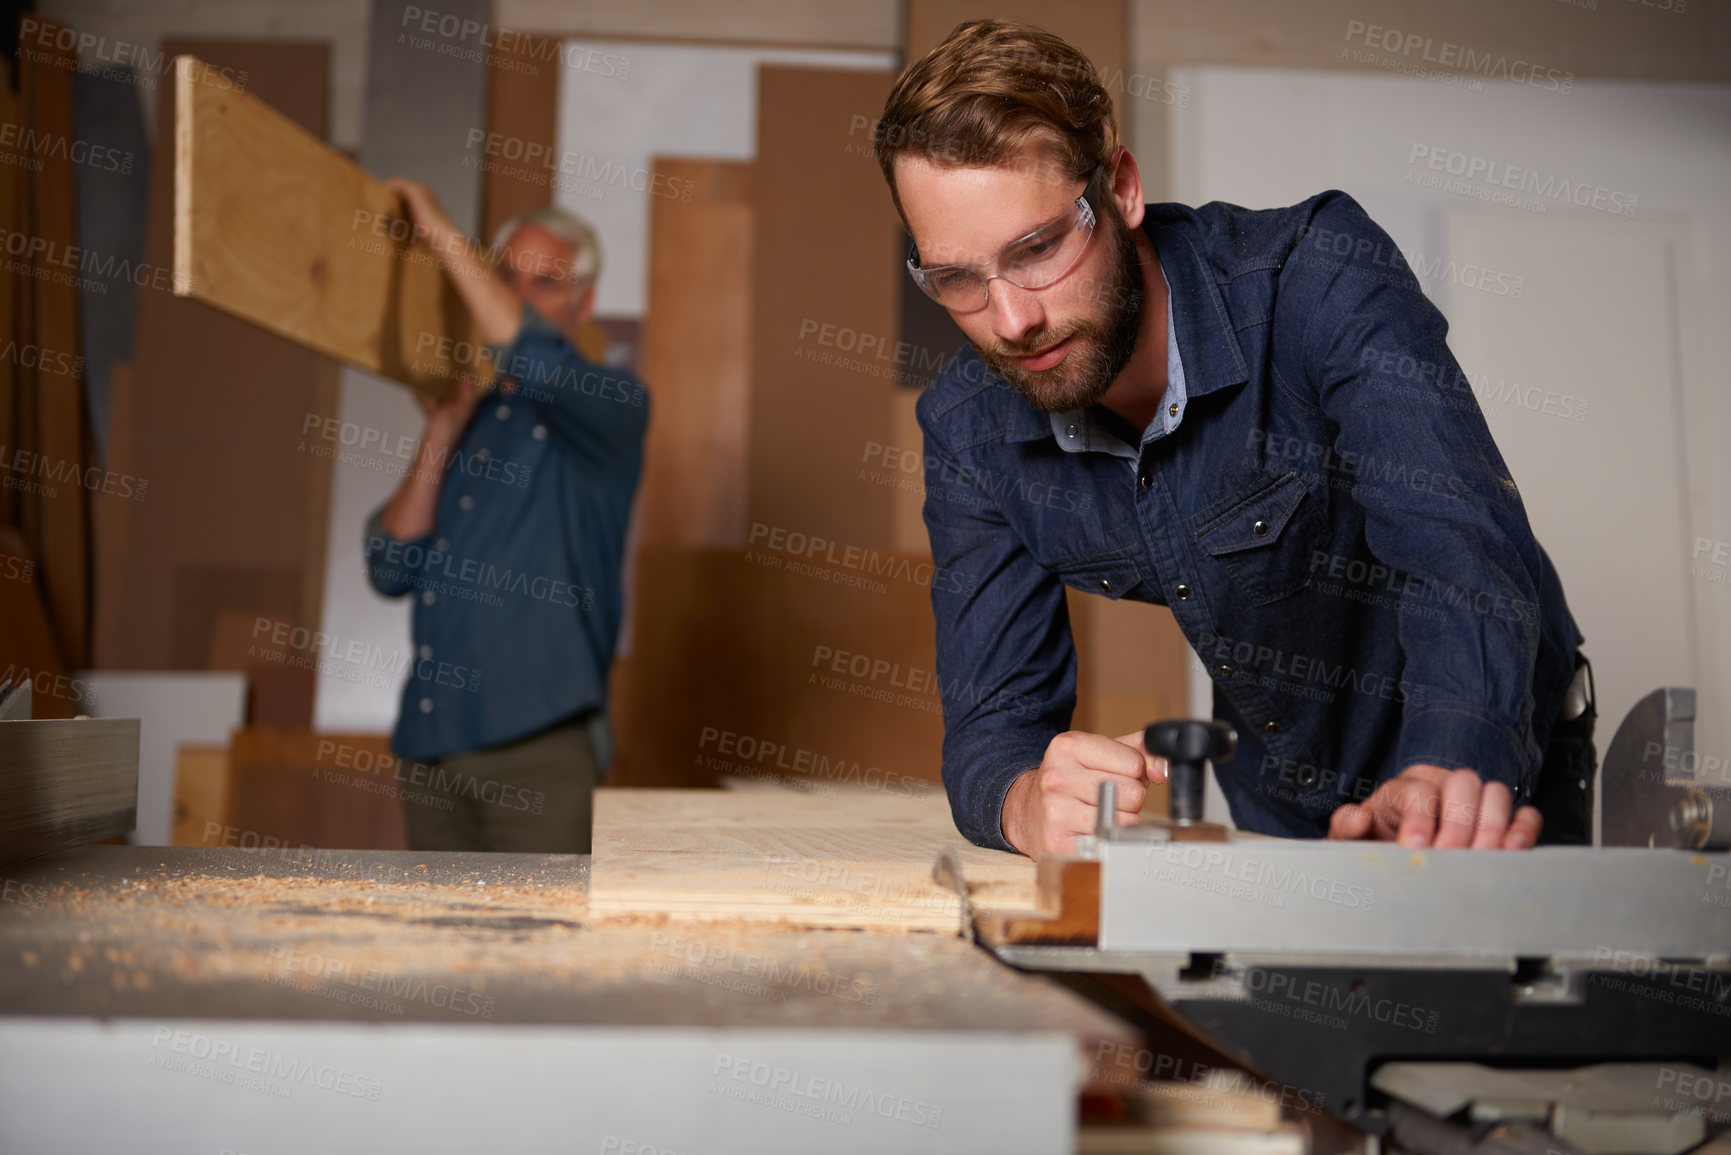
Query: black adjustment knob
[1188,745]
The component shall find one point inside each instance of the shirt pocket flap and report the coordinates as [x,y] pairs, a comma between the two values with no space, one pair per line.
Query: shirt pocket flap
[1254,521]
[1111,577]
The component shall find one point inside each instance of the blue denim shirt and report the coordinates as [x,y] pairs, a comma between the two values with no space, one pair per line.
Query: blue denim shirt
[1328,519]
[518,596]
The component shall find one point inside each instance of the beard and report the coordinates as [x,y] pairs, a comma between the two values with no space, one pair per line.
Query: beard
[1102,347]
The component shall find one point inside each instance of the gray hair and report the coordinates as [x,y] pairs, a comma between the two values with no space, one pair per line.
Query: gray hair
[568,227]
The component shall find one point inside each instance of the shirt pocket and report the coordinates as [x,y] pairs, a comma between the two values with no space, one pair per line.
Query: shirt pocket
[1110,575]
[1262,536]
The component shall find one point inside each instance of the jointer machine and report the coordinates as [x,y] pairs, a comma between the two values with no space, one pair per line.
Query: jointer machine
[1558,1000]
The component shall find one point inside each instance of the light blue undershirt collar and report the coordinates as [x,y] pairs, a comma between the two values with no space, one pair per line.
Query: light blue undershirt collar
[1078,433]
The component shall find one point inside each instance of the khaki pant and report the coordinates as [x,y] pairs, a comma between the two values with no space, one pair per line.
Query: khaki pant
[535,796]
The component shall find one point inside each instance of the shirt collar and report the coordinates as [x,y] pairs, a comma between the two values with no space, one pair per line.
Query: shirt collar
[1199,323]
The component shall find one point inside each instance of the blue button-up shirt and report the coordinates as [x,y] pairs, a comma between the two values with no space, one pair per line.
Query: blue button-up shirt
[517,589]
[1327,517]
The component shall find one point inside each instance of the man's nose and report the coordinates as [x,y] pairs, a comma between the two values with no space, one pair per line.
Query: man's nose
[1016,312]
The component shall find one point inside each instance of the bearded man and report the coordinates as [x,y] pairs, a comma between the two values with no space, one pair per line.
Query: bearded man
[1272,438]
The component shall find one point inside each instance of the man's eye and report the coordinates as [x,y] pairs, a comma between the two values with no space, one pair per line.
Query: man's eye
[951,279]
[1035,249]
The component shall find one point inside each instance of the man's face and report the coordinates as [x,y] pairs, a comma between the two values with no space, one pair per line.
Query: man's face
[539,268]
[1061,346]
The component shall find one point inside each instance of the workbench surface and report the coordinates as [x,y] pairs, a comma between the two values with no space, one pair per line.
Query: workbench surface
[401,936]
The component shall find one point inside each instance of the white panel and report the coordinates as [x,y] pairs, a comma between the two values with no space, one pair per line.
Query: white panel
[1590,425]
[173,710]
[380,428]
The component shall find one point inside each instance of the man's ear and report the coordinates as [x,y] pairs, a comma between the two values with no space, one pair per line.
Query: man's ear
[1124,186]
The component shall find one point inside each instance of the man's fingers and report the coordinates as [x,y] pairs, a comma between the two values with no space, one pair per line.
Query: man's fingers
[1349,822]
[1154,768]
[1418,803]
[1127,793]
[1458,815]
[1098,752]
[1524,830]
[1495,802]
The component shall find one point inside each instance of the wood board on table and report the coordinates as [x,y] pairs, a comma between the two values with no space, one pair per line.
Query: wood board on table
[65,782]
[276,227]
[840,857]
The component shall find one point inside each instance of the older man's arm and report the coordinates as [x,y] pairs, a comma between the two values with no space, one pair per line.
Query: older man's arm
[491,302]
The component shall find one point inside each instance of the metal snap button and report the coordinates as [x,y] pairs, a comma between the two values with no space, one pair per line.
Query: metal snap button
[1183,592]
[1260,529]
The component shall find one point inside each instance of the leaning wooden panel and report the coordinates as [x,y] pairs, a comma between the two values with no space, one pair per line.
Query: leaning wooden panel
[66,783]
[275,227]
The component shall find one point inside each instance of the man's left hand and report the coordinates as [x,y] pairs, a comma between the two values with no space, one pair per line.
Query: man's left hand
[1434,807]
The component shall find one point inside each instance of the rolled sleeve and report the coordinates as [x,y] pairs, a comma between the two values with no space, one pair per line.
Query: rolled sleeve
[387,571]
[602,412]
[1006,658]
[1439,504]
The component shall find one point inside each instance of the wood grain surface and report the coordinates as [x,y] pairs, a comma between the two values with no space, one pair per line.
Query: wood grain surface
[853,859]
[278,228]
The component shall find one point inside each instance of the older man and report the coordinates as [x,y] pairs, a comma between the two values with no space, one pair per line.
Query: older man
[509,532]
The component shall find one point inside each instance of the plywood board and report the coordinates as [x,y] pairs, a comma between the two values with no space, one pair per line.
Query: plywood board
[759,645]
[860,860]
[65,783]
[315,789]
[201,788]
[825,308]
[278,228]
[522,103]
[697,356]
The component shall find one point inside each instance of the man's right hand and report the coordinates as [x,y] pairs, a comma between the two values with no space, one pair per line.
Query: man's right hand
[1047,807]
[448,417]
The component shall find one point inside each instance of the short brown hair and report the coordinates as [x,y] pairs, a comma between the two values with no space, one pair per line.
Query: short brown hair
[987,91]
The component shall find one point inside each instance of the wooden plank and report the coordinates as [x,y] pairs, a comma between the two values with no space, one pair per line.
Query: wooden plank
[279,679]
[818,395]
[65,783]
[522,103]
[201,789]
[760,644]
[861,860]
[697,357]
[277,228]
